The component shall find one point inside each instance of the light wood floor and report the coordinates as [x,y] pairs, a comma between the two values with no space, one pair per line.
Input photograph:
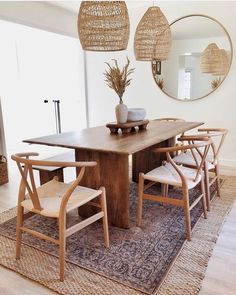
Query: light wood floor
[12,283]
[220,276]
[219,279]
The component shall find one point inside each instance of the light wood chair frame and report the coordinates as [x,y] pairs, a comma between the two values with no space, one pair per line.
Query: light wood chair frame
[184,202]
[210,133]
[172,119]
[25,164]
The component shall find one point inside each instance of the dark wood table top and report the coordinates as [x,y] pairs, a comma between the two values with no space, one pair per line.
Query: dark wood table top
[100,139]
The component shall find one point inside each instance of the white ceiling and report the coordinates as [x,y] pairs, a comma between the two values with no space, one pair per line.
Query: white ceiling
[189,28]
[74,5]
[69,5]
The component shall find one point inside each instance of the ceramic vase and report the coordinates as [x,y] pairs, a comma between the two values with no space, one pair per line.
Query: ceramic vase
[121,113]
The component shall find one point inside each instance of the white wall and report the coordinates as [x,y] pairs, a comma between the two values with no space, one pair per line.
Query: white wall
[216,110]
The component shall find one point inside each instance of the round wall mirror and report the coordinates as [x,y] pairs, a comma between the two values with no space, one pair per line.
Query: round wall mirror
[199,60]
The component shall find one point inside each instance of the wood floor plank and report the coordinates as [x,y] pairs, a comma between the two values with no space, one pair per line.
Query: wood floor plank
[221,271]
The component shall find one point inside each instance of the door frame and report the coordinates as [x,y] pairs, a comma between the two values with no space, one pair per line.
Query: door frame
[3,150]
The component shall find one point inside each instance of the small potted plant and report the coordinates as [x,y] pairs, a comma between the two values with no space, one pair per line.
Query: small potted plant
[215,83]
[118,79]
[160,83]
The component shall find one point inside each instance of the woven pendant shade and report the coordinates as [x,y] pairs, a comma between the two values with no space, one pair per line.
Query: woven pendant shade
[163,45]
[103,25]
[221,68]
[210,58]
[152,40]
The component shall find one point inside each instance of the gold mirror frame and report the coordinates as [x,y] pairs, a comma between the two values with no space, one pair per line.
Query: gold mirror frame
[230,63]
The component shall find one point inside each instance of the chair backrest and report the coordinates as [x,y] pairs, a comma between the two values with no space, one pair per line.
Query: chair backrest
[27,183]
[214,133]
[170,119]
[203,142]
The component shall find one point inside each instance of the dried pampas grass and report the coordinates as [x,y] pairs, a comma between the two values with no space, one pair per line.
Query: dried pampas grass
[118,79]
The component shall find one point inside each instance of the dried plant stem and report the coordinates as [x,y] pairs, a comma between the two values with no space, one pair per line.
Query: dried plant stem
[117,79]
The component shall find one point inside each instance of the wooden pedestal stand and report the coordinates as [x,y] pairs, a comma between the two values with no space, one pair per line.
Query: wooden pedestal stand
[127,127]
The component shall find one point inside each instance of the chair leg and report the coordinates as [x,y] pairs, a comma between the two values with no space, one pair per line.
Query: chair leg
[166,190]
[104,219]
[162,189]
[140,198]
[162,192]
[187,214]
[217,172]
[204,207]
[62,246]
[207,187]
[20,212]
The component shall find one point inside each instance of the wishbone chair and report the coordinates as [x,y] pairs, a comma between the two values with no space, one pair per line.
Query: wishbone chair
[55,199]
[212,161]
[176,175]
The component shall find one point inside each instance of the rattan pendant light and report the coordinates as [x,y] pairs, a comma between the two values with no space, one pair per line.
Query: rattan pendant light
[221,68]
[209,59]
[152,40]
[103,25]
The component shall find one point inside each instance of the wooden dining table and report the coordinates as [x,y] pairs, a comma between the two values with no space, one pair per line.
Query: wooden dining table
[112,153]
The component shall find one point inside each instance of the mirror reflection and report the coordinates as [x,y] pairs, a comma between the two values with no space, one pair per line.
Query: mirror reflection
[199,61]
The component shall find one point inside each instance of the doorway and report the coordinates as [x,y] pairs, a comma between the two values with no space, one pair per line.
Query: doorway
[35,66]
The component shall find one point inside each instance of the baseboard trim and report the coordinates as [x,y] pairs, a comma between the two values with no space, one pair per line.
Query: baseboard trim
[228,163]
[228,167]
[227,170]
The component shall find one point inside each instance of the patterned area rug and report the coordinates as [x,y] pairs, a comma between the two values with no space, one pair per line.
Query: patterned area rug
[138,257]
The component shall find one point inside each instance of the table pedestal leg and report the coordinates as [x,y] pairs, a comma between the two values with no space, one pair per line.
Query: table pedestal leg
[112,173]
